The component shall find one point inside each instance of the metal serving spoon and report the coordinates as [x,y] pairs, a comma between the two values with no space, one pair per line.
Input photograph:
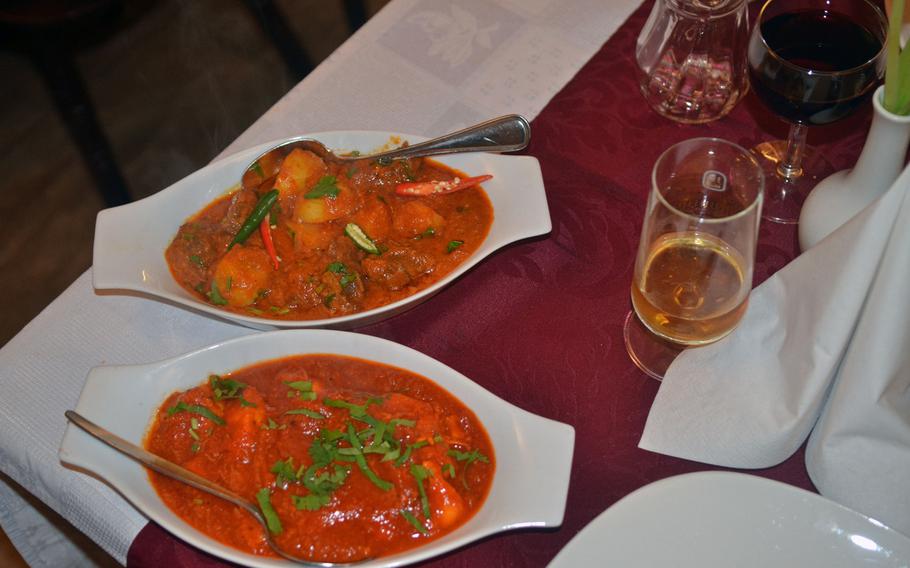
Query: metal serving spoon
[183,475]
[504,134]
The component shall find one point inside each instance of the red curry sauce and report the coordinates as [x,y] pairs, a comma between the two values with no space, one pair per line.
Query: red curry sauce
[356,459]
[322,273]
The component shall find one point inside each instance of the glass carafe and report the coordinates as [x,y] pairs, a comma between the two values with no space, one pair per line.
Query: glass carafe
[691,58]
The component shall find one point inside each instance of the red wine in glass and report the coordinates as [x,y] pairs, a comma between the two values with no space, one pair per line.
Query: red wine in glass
[812,62]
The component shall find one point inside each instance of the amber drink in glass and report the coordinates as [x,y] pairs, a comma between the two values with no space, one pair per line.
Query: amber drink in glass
[693,271]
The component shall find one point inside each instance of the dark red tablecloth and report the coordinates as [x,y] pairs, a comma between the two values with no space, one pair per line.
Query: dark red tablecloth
[540,323]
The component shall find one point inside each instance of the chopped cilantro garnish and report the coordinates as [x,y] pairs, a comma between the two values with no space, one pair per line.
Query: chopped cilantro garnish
[215,296]
[324,187]
[271,517]
[468,458]
[257,167]
[285,472]
[420,474]
[301,389]
[197,260]
[356,410]
[306,412]
[362,462]
[196,409]
[225,388]
[272,425]
[427,233]
[414,522]
[327,301]
[311,502]
[407,452]
[347,279]
[337,268]
[449,470]
[453,245]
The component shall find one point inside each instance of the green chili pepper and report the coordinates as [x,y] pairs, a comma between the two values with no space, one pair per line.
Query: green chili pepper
[256,216]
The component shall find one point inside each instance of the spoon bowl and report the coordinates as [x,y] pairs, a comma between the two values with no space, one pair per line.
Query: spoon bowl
[507,133]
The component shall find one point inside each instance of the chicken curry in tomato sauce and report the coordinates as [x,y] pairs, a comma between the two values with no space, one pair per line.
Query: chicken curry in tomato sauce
[304,238]
[347,459]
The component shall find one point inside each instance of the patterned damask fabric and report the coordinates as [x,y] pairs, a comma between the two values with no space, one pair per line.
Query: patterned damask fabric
[540,323]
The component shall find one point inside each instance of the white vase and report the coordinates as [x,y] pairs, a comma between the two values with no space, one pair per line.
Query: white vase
[842,195]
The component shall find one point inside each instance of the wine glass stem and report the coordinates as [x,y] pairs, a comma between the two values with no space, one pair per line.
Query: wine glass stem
[791,166]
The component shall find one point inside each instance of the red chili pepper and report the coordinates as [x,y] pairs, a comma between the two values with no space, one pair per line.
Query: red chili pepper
[439,187]
[266,231]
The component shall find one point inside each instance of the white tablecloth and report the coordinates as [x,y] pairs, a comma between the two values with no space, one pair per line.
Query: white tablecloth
[423,67]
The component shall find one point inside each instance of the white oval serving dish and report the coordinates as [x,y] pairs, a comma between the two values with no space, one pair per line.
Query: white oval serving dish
[529,487]
[130,240]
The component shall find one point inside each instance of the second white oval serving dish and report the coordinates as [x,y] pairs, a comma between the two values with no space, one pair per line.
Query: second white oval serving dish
[529,488]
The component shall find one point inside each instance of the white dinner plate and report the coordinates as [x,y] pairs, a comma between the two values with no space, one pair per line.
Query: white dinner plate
[533,454]
[130,240]
[724,519]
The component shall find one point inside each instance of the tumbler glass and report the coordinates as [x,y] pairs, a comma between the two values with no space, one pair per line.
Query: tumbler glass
[691,58]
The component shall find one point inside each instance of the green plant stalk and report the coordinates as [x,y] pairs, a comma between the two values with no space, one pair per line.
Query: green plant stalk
[903,94]
[892,71]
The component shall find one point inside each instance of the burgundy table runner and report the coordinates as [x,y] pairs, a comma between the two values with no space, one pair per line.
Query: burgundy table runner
[540,322]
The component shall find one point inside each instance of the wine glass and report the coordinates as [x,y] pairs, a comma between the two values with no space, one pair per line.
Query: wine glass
[812,62]
[693,271]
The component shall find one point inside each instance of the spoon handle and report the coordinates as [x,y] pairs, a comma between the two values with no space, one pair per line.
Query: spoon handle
[157,463]
[504,134]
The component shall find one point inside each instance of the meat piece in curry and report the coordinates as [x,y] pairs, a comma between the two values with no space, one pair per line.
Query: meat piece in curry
[334,238]
[348,459]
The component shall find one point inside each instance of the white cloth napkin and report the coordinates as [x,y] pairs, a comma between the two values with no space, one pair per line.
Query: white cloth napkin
[825,344]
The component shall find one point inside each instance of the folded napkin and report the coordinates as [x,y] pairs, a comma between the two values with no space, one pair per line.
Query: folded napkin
[824,348]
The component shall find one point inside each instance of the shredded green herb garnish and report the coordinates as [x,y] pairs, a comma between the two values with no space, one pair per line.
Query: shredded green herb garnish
[311,502]
[196,409]
[337,268]
[362,462]
[468,458]
[257,167]
[197,260]
[301,389]
[420,474]
[225,388]
[215,296]
[410,448]
[271,517]
[453,245]
[306,412]
[428,233]
[449,470]
[414,522]
[347,279]
[285,472]
[356,410]
[272,425]
[324,187]
[327,301]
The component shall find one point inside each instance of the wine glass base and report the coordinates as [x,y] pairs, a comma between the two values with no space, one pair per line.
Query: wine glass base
[650,353]
[784,197]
